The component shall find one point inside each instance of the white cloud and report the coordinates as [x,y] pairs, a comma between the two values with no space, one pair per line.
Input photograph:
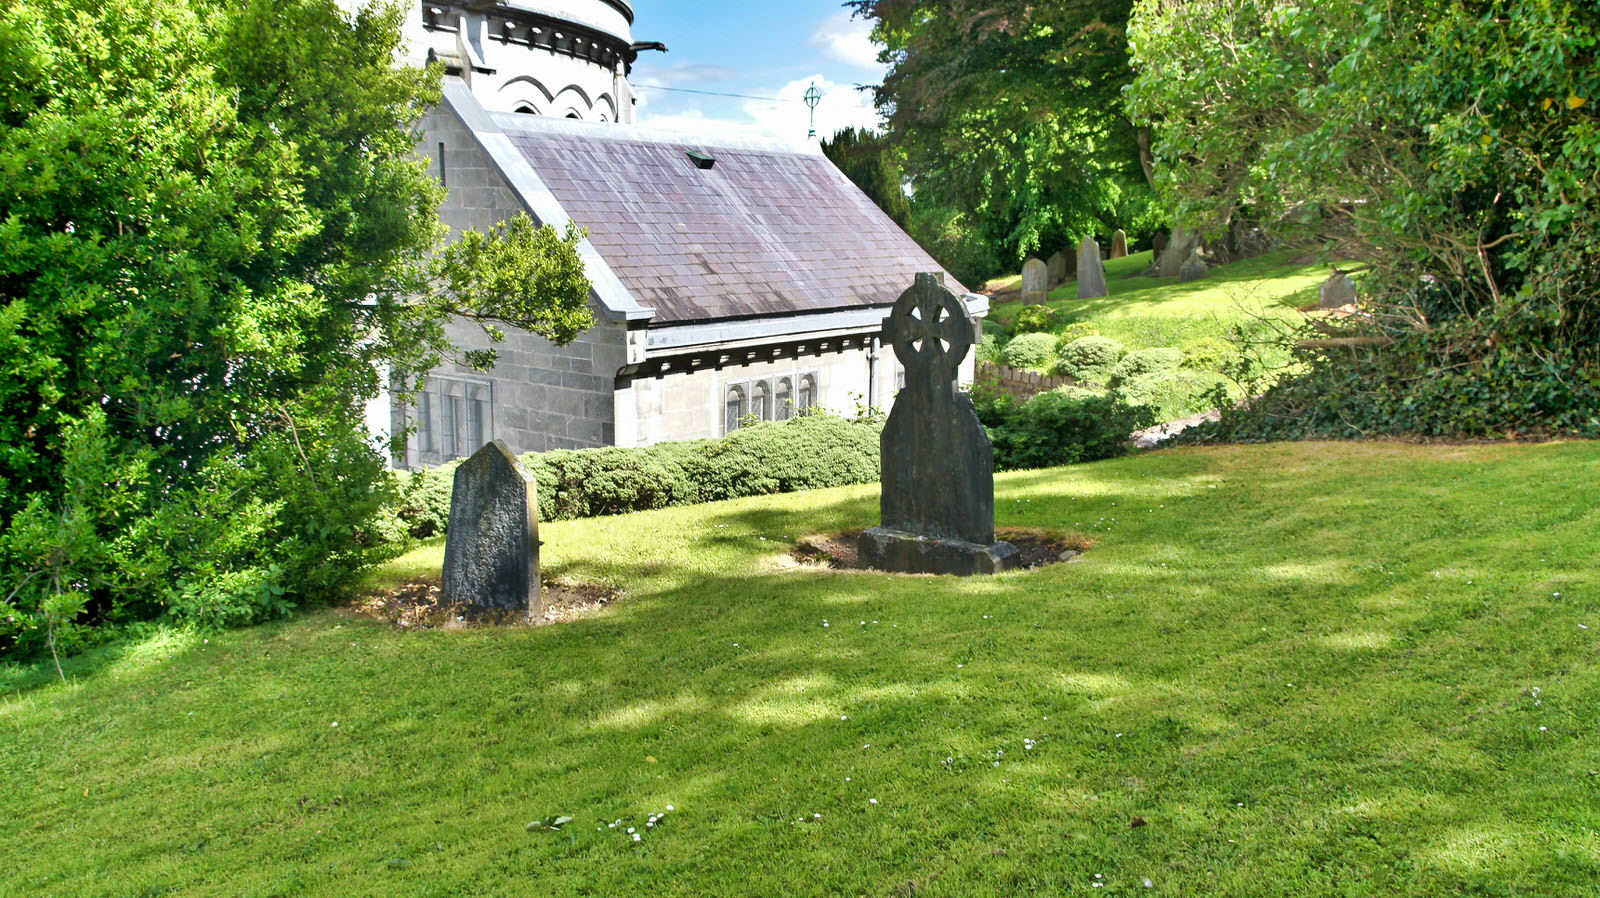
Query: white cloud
[847,40]
[683,73]
[841,106]
[784,117]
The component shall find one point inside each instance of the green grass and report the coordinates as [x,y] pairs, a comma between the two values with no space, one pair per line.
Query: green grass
[1313,669]
[1145,312]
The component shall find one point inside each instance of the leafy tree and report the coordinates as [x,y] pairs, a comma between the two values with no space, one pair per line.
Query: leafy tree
[1010,118]
[210,220]
[868,159]
[1455,142]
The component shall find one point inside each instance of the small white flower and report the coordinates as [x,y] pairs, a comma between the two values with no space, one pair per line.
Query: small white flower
[669,807]
[844,717]
[636,837]
[872,801]
[1148,884]
[630,829]
[336,723]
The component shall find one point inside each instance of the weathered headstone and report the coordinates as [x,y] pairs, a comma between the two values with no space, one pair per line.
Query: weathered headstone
[1194,268]
[936,459]
[491,551]
[1158,243]
[1337,291]
[1035,282]
[1091,271]
[1177,251]
[1057,266]
[1119,244]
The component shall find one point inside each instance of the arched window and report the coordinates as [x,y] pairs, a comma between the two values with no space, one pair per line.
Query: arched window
[783,399]
[808,393]
[734,409]
[760,401]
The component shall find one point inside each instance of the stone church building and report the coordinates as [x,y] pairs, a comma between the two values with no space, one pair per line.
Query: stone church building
[732,279]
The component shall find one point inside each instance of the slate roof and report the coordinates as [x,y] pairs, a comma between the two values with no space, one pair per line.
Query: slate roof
[769,229]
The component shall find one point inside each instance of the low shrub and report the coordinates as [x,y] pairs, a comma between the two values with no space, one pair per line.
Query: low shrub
[1076,330]
[1146,361]
[1089,358]
[1034,320]
[989,349]
[807,452]
[1172,393]
[1058,427]
[1030,351]
[1210,354]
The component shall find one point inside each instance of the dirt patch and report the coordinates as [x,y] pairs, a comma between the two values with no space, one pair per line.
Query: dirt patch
[419,605]
[1038,547]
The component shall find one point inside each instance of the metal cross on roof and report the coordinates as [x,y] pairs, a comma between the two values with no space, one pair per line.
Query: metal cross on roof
[812,98]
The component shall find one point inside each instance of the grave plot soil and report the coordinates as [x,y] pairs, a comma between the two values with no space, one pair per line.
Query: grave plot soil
[1038,547]
[419,605]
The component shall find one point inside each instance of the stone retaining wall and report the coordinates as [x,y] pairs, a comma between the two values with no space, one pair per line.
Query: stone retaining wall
[1019,382]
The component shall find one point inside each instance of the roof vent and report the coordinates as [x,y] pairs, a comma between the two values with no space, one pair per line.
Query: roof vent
[701,160]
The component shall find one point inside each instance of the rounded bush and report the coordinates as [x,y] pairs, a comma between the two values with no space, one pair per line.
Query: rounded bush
[1147,361]
[1076,330]
[1090,358]
[1210,354]
[1034,320]
[1172,393]
[1029,351]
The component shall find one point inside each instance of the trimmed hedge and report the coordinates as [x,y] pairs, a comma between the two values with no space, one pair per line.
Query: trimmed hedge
[808,452]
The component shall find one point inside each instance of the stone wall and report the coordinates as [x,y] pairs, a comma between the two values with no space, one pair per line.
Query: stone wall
[1019,382]
[539,396]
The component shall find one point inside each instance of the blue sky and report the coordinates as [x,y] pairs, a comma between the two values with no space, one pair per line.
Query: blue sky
[758,49]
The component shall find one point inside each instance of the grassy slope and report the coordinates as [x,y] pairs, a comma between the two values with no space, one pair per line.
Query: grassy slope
[1312,669]
[1145,312]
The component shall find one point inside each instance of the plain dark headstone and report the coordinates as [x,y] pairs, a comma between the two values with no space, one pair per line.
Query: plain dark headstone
[937,462]
[1091,271]
[1119,244]
[1158,243]
[1035,282]
[491,551]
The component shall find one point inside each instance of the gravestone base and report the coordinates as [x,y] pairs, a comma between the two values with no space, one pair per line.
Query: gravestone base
[908,553]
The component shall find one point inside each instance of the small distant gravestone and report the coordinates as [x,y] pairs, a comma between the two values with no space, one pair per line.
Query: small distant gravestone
[491,551]
[1337,291]
[1057,266]
[936,459]
[1091,271]
[1035,282]
[1194,268]
[1158,243]
[1119,244]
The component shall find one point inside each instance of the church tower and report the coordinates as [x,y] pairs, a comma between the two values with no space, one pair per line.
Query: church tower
[561,58]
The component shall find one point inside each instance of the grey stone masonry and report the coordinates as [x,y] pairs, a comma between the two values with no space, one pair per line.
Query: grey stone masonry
[1035,281]
[1091,271]
[937,465]
[491,551]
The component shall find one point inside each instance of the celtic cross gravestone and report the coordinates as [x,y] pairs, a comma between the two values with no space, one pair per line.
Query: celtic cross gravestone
[937,463]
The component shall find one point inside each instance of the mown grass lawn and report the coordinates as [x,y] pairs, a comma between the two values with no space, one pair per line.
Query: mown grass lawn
[1145,312]
[1311,669]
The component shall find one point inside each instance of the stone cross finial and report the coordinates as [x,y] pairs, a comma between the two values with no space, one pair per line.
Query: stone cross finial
[931,332]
